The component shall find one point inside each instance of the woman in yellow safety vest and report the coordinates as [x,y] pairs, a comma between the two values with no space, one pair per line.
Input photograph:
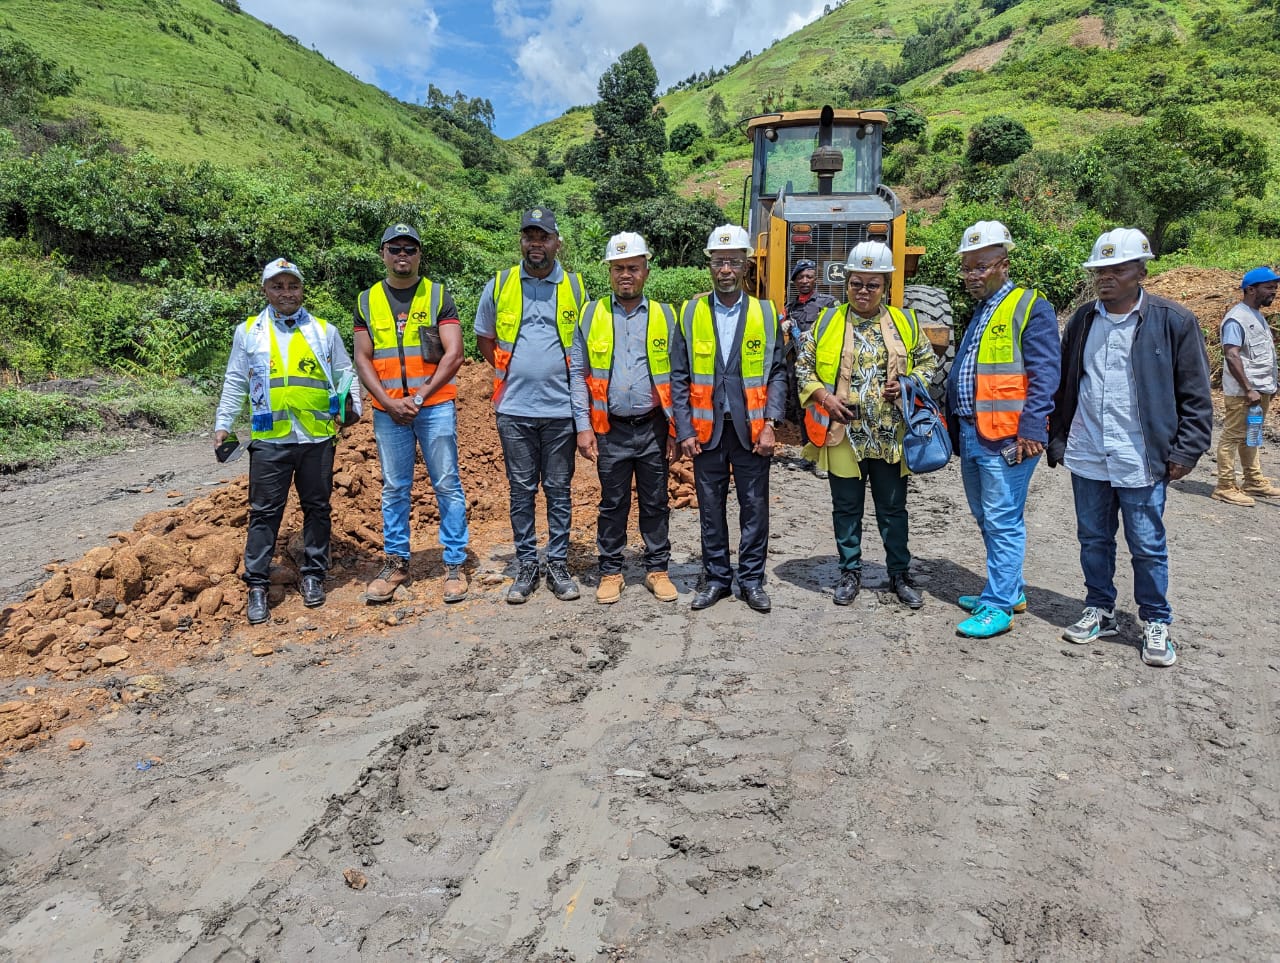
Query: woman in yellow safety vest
[848,370]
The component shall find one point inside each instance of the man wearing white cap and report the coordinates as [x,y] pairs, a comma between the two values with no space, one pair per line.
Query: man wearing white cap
[1132,414]
[999,396]
[620,378]
[1248,379]
[288,363]
[729,382]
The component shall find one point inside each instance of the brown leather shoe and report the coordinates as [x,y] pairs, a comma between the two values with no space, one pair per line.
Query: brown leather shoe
[455,583]
[660,584]
[1263,489]
[610,589]
[394,573]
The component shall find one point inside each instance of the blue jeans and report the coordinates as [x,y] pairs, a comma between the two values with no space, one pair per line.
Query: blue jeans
[997,494]
[435,430]
[1098,507]
[539,451]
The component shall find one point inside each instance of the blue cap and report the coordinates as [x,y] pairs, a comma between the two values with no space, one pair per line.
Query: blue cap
[1259,275]
[803,265]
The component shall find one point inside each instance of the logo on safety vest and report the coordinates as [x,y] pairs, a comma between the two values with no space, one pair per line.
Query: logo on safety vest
[753,345]
[419,315]
[660,343]
[568,314]
[999,330]
[308,366]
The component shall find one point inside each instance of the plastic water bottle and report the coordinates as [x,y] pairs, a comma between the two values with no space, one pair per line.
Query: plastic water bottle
[1253,426]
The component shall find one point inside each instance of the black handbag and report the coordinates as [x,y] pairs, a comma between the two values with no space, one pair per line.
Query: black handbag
[926,446]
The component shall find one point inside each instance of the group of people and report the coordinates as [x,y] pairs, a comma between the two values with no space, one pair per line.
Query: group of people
[632,384]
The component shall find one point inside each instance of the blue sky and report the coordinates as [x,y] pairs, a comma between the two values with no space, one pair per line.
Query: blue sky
[531,58]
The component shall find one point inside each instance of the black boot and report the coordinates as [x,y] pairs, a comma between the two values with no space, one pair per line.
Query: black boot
[257,611]
[847,588]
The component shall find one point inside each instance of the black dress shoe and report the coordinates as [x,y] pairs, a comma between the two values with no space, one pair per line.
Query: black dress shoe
[847,588]
[757,598]
[257,610]
[709,594]
[312,589]
[906,592]
[526,581]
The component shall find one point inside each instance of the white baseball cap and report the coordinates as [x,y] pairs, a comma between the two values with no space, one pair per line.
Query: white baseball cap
[1116,247]
[729,237]
[625,245]
[985,234]
[280,266]
[870,257]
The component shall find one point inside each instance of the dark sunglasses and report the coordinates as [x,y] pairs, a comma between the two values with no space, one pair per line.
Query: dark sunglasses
[408,249]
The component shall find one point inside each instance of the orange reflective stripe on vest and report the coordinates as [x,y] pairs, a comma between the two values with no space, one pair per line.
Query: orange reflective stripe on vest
[397,349]
[597,331]
[1000,389]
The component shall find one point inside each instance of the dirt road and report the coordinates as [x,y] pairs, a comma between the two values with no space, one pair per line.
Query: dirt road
[563,781]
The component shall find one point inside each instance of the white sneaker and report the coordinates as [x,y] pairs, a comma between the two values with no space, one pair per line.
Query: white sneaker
[1094,623]
[1157,647]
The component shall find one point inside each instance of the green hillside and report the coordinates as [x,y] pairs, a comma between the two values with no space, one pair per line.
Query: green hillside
[197,80]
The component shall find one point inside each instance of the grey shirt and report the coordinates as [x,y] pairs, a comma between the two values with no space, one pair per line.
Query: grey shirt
[537,383]
[1105,442]
[631,391]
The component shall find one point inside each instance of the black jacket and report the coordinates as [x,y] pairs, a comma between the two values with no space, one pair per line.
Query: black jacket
[1170,370]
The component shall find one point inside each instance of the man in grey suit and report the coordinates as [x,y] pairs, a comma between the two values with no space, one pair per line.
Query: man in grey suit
[728,387]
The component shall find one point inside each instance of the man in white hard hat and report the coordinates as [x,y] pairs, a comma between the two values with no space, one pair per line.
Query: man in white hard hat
[524,328]
[999,396]
[728,385]
[1132,414]
[1248,379]
[288,363]
[620,379]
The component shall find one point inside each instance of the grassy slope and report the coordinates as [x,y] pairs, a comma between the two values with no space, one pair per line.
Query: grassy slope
[201,97]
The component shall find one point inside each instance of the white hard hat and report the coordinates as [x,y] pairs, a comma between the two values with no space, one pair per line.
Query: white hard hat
[870,257]
[985,234]
[729,237]
[625,245]
[1116,247]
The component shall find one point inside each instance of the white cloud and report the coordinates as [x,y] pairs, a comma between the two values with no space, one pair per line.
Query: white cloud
[388,41]
[562,52]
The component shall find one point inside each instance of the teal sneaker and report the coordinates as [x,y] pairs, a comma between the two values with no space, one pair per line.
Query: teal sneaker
[970,602]
[985,623]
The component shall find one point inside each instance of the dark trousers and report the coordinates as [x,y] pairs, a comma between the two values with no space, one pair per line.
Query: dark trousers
[272,468]
[539,451]
[750,472]
[889,494]
[639,452]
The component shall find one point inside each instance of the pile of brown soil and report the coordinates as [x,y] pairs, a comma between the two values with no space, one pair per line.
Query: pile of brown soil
[171,585]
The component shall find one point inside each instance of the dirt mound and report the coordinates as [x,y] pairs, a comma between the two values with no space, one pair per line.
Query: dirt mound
[171,585]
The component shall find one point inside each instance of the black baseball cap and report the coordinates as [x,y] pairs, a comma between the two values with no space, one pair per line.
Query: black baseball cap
[400,230]
[540,217]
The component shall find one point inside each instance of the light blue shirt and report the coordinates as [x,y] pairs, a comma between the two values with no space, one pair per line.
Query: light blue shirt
[1106,442]
[537,384]
[726,329]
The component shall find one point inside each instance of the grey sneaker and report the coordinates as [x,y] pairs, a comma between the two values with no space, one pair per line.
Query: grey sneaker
[561,582]
[1094,623]
[1157,647]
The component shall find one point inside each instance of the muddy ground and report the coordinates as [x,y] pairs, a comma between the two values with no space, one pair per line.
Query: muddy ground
[565,781]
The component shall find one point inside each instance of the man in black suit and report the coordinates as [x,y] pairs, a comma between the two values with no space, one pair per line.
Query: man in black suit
[728,386]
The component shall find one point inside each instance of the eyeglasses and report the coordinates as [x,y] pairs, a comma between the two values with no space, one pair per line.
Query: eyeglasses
[872,286]
[979,269]
[408,249]
[722,262]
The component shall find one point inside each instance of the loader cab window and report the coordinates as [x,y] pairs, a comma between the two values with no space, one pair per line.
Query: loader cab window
[786,158]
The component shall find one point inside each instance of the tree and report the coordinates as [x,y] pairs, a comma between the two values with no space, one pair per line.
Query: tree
[631,135]
[906,123]
[1168,168]
[675,227]
[27,80]
[684,137]
[997,140]
[717,116]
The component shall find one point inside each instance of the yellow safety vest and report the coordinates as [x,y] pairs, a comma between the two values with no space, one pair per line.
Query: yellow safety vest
[597,331]
[697,321]
[397,352]
[508,302]
[301,390]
